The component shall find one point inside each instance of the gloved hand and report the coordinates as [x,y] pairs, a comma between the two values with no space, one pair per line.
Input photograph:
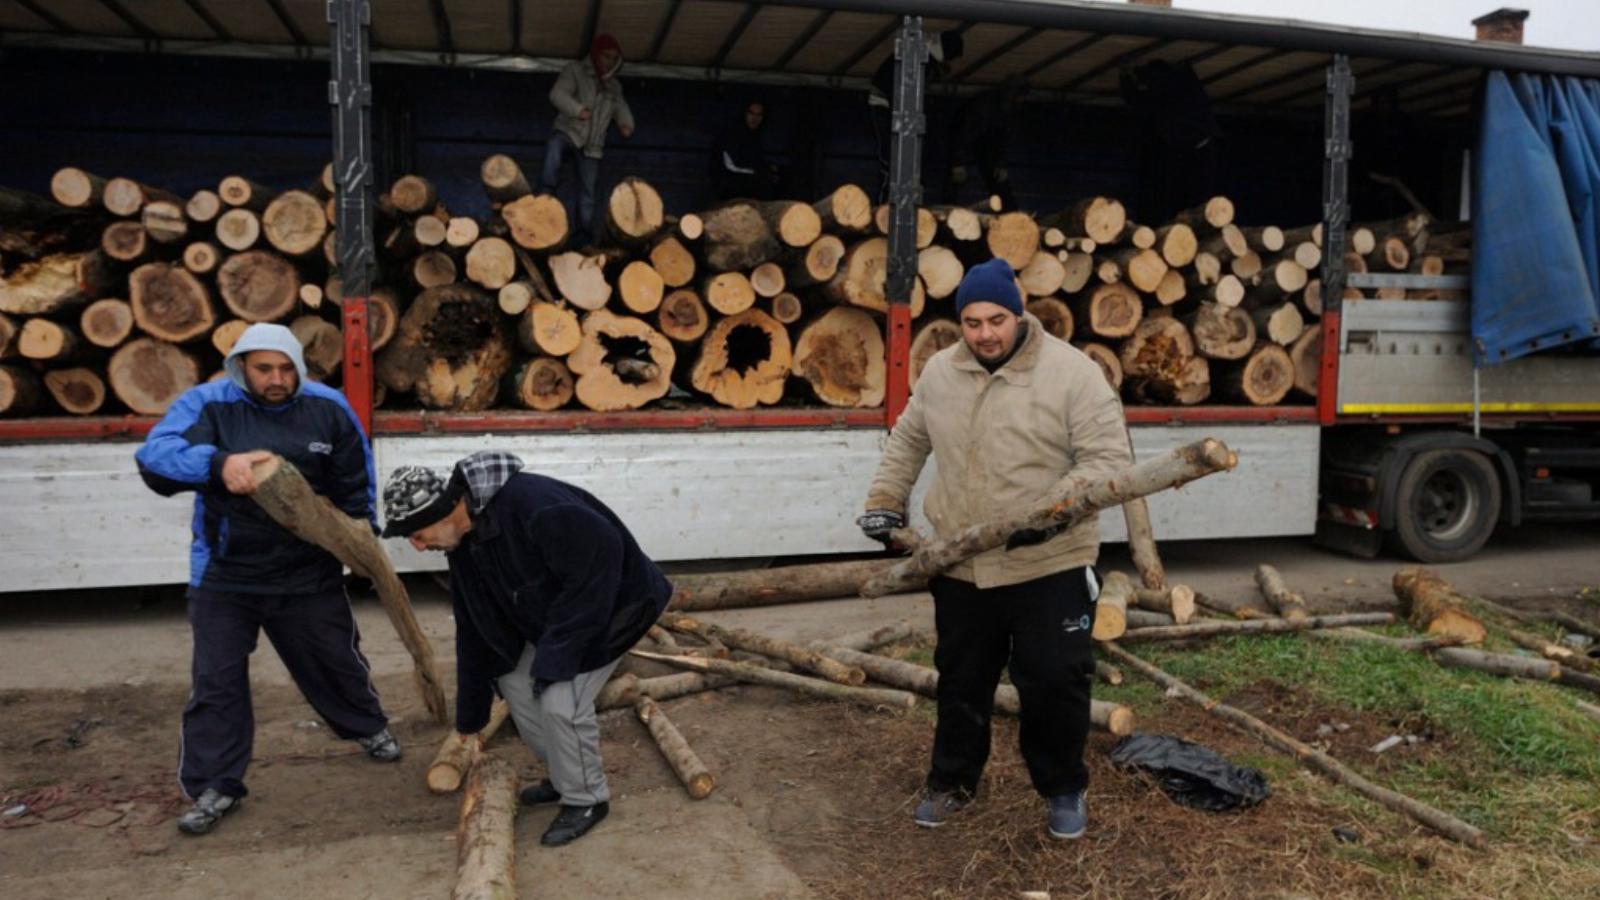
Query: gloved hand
[877,523]
[1027,537]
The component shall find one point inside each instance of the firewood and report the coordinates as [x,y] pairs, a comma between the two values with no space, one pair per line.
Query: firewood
[1177,601]
[1043,274]
[322,343]
[1099,218]
[1280,323]
[960,224]
[682,316]
[170,303]
[543,383]
[1073,503]
[767,279]
[744,361]
[840,354]
[238,229]
[634,212]
[502,179]
[258,285]
[1556,653]
[871,698]
[691,226]
[1307,254]
[1305,354]
[1177,244]
[737,238]
[285,495]
[1142,237]
[697,592]
[1215,213]
[1247,267]
[1220,332]
[413,195]
[1106,359]
[76,188]
[1172,288]
[433,269]
[1143,269]
[1312,233]
[106,323]
[486,865]
[1227,244]
[1111,609]
[457,754]
[581,279]
[664,687]
[622,690]
[1390,253]
[451,350]
[1310,299]
[294,224]
[126,197]
[1267,239]
[869,639]
[1110,311]
[46,341]
[1013,237]
[787,308]
[1077,269]
[941,271]
[1515,667]
[806,658]
[1052,313]
[202,258]
[793,224]
[461,232]
[550,329]
[1431,605]
[164,221]
[20,391]
[1439,821]
[672,261]
[621,363]
[429,231]
[537,221]
[79,391]
[312,295]
[1157,357]
[1262,379]
[491,263]
[224,336]
[927,224]
[125,241]
[696,778]
[1288,604]
[515,297]
[729,293]
[147,375]
[383,318]
[1142,544]
[818,264]
[57,283]
[847,208]
[236,190]
[9,330]
[1205,270]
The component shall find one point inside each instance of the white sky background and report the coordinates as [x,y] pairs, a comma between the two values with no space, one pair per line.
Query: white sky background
[1569,24]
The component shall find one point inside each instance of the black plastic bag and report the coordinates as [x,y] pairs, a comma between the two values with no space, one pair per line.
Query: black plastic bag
[1192,775]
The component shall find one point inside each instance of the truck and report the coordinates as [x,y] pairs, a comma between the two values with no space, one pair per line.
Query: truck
[1427,431]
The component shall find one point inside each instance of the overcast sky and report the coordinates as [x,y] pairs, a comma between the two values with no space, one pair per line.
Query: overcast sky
[1571,24]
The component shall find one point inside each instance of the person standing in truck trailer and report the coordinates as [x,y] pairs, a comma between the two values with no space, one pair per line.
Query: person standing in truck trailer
[1009,413]
[588,98]
[248,573]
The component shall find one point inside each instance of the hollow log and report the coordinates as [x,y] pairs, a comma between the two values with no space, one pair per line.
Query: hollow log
[170,303]
[1432,606]
[1221,332]
[238,229]
[543,383]
[106,323]
[686,764]
[818,264]
[502,179]
[451,350]
[1106,359]
[673,261]
[147,375]
[682,316]
[744,361]
[1262,379]
[537,221]
[871,698]
[486,865]
[79,391]
[641,287]
[550,329]
[20,391]
[737,238]
[769,587]
[840,354]
[581,279]
[1157,351]
[847,208]
[633,212]
[621,363]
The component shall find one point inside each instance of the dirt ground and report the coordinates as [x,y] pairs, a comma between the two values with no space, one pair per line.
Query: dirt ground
[813,799]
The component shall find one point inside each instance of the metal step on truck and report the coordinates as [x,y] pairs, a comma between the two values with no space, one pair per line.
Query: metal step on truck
[1417,435]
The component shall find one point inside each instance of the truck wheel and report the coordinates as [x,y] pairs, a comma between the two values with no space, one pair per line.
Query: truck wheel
[1447,505]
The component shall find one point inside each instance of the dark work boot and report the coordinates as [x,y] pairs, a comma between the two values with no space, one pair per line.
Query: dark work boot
[573,822]
[535,794]
[382,746]
[207,811]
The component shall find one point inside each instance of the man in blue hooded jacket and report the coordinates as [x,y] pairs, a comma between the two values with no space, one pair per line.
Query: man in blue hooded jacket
[248,573]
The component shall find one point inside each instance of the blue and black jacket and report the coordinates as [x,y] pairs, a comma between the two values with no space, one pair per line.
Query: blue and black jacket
[237,546]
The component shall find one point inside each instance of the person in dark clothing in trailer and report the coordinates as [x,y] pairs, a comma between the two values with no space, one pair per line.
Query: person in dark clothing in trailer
[549,590]
[979,135]
[1181,139]
[943,49]
[738,163]
[248,573]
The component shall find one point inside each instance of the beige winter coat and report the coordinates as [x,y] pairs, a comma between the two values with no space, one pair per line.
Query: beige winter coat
[1002,443]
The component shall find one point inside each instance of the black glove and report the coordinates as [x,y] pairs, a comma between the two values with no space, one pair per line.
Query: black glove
[1027,537]
[877,523]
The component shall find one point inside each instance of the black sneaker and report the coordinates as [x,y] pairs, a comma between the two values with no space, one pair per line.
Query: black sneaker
[207,811]
[382,746]
[535,794]
[573,822]
[936,806]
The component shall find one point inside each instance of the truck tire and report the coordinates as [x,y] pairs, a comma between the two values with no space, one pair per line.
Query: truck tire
[1446,505]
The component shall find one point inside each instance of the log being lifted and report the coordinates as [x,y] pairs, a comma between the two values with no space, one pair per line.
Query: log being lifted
[170,303]
[744,361]
[284,494]
[737,238]
[147,375]
[686,764]
[1431,605]
[800,657]
[768,587]
[1079,500]
[841,355]
[621,363]
[457,754]
[872,698]
[451,349]
[486,865]
[1288,604]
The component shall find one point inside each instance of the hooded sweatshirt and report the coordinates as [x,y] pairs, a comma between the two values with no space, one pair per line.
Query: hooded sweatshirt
[236,546]
[583,85]
[547,564]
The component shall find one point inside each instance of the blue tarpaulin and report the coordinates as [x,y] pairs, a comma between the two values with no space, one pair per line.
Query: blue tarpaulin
[1536,216]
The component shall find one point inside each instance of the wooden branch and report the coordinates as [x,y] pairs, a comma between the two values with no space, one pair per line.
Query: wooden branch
[801,657]
[458,753]
[1177,601]
[1111,609]
[769,587]
[1142,544]
[1516,667]
[813,687]
[485,848]
[1438,820]
[686,764]
[1287,603]
[864,641]
[1254,626]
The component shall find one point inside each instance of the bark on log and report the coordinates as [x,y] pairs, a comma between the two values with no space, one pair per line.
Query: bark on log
[869,639]
[236,190]
[1272,625]
[819,263]
[794,224]
[806,658]
[621,363]
[1431,605]
[383,318]
[1079,269]
[634,212]
[1221,332]
[56,283]
[1142,544]
[550,329]
[736,238]
[672,261]
[581,279]
[502,179]
[451,350]
[1263,379]
[9,332]
[147,375]
[840,354]
[1267,239]
[20,391]
[1442,822]
[170,303]
[486,865]
[686,764]
[1110,311]
[457,754]
[258,285]
[682,316]
[79,391]
[1013,237]
[1111,609]
[1052,312]
[622,690]
[537,221]
[105,323]
[1227,244]
[1307,254]
[770,587]
[238,229]
[1079,500]
[1288,604]
[936,334]
[744,361]
[1215,213]
[1106,359]
[847,208]
[1099,218]
[871,698]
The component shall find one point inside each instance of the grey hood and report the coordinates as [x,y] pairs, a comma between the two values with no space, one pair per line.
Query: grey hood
[263,336]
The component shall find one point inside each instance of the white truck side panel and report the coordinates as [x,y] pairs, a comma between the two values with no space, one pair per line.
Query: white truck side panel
[76,515]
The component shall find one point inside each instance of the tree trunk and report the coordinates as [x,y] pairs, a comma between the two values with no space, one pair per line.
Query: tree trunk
[1220,332]
[1263,379]
[106,323]
[202,258]
[451,350]
[502,179]
[20,391]
[737,238]
[238,229]
[1111,609]
[787,308]
[126,197]
[1079,500]
[46,341]
[170,303]
[125,241]
[76,188]
[1110,311]
[1306,356]
[795,655]
[621,363]
[847,209]
[537,221]
[744,361]
[486,865]
[457,754]
[1052,312]
[1288,604]
[1013,237]
[1143,269]
[322,344]
[841,355]
[550,329]
[818,264]
[672,261]
[543,383]
[941,270]
[147,375]
[1431,605]
[871,698]
[56,283]
[1106,359]
[634,212]
[793,224]
[682,316]
[1177,601]
[581,279]
[770,587]
[1282,324]
[696,778]
[258,286]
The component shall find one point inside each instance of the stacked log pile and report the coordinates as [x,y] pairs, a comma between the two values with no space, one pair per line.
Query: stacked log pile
[117,296]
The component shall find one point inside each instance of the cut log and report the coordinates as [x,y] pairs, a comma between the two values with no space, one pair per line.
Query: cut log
[1111,609]
[238,229]
[1307,254]
[1515,667]
[691,226]
[1142,544]
[927,224]
[56,283]
[1246,267]
[1306,356]
[622,690]
[322,344]
[1074,503]
[1158,351]
[872,698]
[1288,604]
[1177,244]
[46,341]
[1078,268]
[105,323]
[224,336]
[76,188]
[170,303]
[9,332]
[941,270]
[682,316]
[451,350]
[1052,313]
[502,179]
[1390,253]
[770,587]
[1439,821]
[1432,606]
[736,238]
[936,334]
[621,363]
[672,261]
[1099,218]
[1177,601]
[1237,607]
[696,778]
[1262,379]
[457,753]
[1312,233]
[491,263]
[1106,359]
[537,221]
[1013,237]
[634,212]
[1227,244]
[787,308]
[767,279]
[147,375]
[79,391]
[1311,298]
[744,361]
[1142,237]
[126,197]
[1143,269]
[797,224]
[543,383]
[806,658]
[1043,275]
[236,190]
[20,391]
[462,232]
[1282,324]
[1187,385]
[486,865]
[1205,270]
[1268,239]
[164,221]
[202,258]
[383,318]
[258,285]
[818,265]
[413,195]
[847,208]
[1220,332]
[840,354]
[1110,311]
[125,241]
[1172,288]
[1282,278]
[429,231]
[1215,213]
[581,279]
[550,329]
[960,223]
[729,293]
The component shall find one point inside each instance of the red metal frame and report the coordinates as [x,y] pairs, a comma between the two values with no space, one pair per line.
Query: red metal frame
[898,388]
[1328,375]
[421,422]
[357,359]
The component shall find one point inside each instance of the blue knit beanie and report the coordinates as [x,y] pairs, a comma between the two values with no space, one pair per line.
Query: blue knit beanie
[990,282]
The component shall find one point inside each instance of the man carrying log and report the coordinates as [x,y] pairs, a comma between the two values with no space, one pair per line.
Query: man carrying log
[549,590]
[1009,413]
[248,573]
[588,98]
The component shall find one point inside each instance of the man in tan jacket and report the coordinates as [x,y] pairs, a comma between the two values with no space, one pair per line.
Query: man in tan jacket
[1009,413]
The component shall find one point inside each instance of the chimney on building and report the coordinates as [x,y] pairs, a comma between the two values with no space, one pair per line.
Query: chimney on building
[1503,25]
[1164,3]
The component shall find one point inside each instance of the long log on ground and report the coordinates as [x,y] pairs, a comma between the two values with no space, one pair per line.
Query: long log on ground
[1565,620]
[1177,601]
[869,639]
[813,687]
[1516,667]
[1237,607]
[1079,500]
[805,658]
[1254,626]
[1566,656]
[1431,605]
[1408,645]
[622,690]
[670,687]
[286,496]
[1108,673]
[458,752]
[686,764]
[1438,820]
[1288,604]
[486,864]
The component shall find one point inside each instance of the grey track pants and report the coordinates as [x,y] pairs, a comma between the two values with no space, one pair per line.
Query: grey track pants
[559,726]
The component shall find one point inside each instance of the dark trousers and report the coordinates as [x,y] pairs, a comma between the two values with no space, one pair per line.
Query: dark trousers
[314,634]
[1042,628]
